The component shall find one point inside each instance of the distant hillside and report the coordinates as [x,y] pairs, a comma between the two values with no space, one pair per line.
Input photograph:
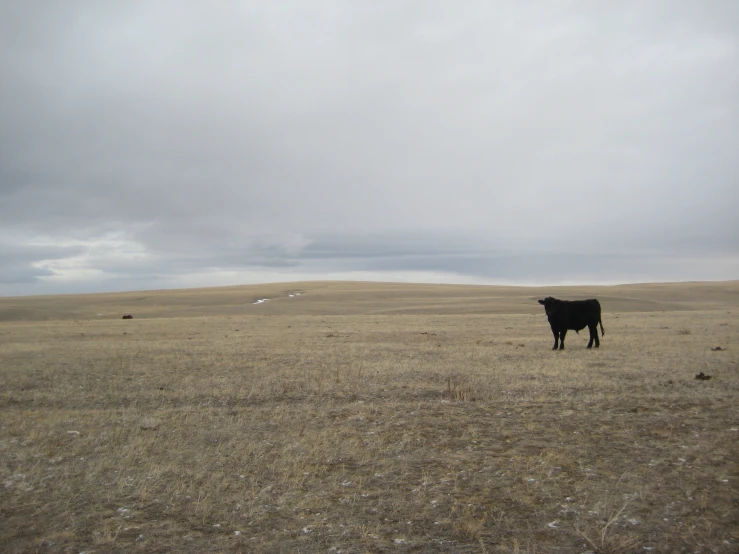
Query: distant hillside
[351,298]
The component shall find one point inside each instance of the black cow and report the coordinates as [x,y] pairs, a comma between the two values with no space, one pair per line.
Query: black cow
[127,316]
[575,315]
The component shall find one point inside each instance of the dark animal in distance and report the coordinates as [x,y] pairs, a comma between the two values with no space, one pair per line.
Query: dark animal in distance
[127,316]
[573,314]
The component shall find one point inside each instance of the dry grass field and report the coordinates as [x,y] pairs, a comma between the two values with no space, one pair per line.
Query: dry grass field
[369,417]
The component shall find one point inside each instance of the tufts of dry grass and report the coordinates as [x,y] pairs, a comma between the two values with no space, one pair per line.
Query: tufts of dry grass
[371,432]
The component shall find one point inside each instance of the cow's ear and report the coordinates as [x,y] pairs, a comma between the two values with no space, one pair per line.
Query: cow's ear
[541,302]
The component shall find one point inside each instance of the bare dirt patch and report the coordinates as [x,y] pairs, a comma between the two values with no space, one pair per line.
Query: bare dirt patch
[332,422]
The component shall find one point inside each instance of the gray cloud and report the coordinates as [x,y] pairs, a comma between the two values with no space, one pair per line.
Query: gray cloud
[18,262]
[489,141]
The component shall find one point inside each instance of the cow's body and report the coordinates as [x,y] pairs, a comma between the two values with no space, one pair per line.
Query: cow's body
[573,314]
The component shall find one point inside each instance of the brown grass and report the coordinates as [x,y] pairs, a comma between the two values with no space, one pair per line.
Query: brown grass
[366,417]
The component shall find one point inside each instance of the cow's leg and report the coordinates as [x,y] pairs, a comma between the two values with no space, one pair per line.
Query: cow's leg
[593,334]
[556,339]
[562,339]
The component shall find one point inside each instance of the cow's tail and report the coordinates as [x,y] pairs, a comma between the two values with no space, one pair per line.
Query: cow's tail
[602,332]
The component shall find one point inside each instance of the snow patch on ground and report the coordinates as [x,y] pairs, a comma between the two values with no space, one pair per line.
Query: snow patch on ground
[289,295]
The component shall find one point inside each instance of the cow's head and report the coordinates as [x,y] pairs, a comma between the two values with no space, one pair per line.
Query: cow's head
[550,305]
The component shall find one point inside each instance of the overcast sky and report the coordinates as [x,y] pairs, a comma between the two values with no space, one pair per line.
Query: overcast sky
[185,143]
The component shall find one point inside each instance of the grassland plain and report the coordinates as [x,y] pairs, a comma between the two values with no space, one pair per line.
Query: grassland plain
[369,417]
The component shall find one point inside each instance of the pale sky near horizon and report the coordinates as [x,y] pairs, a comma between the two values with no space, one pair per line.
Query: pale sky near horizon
[179,143]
